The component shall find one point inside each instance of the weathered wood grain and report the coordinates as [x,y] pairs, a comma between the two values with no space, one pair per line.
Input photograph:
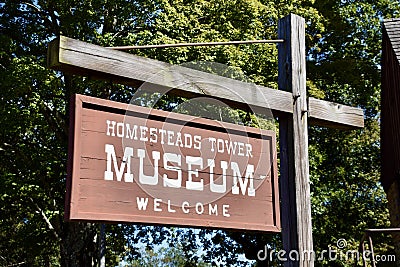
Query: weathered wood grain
[77,57]
[294,169]
[324,113]
[82,58]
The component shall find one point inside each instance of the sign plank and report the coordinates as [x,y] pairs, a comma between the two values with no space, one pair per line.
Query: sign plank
[134,164]
[77,57]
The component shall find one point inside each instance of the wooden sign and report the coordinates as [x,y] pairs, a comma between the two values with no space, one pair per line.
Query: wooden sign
[134,164]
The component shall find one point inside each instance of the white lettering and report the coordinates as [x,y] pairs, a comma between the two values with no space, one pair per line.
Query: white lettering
[225,211]
[184,205]
[188,140]
[212,209]
[126,160]
[163,132]
[212,140]
[169,207]
[171,157]
[178,139]
[240,149]
[157,203]
[143,133]
[249,149]
[153,135]
[199,208]
[190,184]
[170,136]
[197,142]
[231,147]
[243,182]
[220,145]
[111,127]
[145,179]
[120,129]
[142,203]
[217,188]
[131,133]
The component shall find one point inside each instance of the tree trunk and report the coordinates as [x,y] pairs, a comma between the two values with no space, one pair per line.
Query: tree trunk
[78,248]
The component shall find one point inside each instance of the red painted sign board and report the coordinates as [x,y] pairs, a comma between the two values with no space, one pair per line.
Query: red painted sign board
[134,164]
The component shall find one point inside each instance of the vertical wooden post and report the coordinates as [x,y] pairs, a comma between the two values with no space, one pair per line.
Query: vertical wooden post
[294,169]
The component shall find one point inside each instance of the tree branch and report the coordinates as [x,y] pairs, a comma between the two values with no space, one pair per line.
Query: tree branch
[46,219]
[52,23]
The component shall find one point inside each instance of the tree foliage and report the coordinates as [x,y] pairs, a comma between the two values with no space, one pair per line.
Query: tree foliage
[343,57]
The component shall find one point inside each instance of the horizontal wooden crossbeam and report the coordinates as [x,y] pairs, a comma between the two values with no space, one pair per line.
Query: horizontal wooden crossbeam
[77,57]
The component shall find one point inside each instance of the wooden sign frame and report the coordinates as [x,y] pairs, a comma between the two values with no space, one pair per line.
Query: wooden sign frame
[93,196]
[290,104]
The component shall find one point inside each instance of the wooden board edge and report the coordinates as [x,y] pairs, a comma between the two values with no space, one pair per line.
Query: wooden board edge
[70,163]
[53,55]
[275,187]
[172,115]
[73,169]
[248,227]
[340,116]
